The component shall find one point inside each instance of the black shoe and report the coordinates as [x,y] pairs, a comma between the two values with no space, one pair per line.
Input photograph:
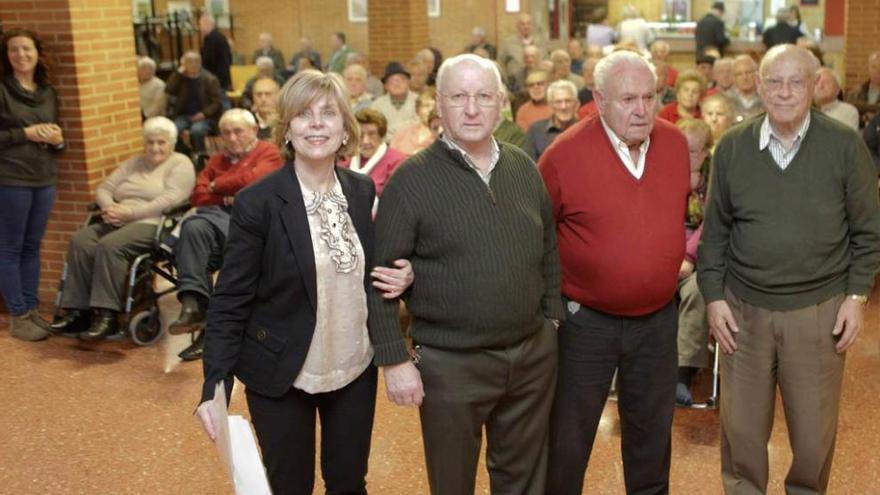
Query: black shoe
[104,324]
[190,319]
[73,321]
[194,351]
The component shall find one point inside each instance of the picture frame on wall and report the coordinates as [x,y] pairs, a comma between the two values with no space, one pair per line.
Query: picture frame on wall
[357,10]
[433,8]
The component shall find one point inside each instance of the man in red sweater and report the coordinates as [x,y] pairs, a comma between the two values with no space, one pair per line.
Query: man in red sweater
[199,250]
[619,184]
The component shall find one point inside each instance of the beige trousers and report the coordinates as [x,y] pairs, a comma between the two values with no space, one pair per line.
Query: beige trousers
[794,350]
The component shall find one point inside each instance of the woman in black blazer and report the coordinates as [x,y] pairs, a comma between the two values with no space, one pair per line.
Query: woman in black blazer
[288,315]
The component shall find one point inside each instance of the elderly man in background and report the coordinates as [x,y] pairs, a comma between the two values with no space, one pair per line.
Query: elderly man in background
[265,69]
[356,82]
[198,249]
[473,216]
[536,108]
[790,248]
[510,54]
[619,185]
[418,75]
[216,53]
[743,95]
[710,31]
[562,97]
[562,69]
[265,106]
[478,40]
[722,76]
[585,94]
[575,50]
[866,96]
[374,84]
[265,49]
[194,101]
[826,98]
[532,60]
[340,52]
[305,52]
[151,89]
[398,104]
[660,54]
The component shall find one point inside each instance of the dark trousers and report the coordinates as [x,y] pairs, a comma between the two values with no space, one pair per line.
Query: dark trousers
[510,392]
[98,258]
[197,254]
[285,428]
[24,214]
[643,351]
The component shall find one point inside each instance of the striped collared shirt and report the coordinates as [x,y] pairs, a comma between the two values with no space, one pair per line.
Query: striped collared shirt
[493,159]
[780,155]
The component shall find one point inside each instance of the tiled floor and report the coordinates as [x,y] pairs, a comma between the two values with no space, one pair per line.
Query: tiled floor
[113,418]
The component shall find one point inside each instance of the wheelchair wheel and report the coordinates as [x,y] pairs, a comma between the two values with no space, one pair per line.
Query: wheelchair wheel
[145,327]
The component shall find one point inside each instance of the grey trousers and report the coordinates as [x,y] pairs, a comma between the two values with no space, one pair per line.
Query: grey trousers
[98,258]
[794,350]
[693,329]
[510,392]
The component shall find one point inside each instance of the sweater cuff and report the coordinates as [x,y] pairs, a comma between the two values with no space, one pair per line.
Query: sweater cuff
[553,308]
[711,293]
[390,353]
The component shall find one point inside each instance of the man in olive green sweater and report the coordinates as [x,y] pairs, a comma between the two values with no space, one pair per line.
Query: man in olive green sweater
[474,218]
[790,248]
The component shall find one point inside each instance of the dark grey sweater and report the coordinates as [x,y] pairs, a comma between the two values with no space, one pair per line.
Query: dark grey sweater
[485,260]
[788,239]
[25,163]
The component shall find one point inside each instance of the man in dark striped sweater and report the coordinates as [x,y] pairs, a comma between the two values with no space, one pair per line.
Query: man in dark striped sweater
[475,220]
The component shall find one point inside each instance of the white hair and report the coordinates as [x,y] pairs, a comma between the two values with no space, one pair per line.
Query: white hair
[484,64]
[265,61]
[238,116]
[561,85]
[356,70]
[834,76]
[809,63]
[143,62]
[160,125]
[607,65]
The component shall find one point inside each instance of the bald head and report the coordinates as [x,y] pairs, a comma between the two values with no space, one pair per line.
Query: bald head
[793,55]
[524,25]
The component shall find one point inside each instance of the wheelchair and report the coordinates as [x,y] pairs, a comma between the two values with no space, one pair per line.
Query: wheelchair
[139,317]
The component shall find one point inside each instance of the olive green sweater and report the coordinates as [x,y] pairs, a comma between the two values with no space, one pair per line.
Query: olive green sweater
[787,239]
[484,257]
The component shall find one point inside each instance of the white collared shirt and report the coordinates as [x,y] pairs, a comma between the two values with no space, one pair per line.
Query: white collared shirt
[493,159]
[768,139]
[622,149]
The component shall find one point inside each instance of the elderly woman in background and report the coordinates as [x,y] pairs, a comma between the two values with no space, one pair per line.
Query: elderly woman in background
[289,314]
[131,201]
[374,157]
[418,136]
[29,138]
[356,82]
[718,113]
[689,90]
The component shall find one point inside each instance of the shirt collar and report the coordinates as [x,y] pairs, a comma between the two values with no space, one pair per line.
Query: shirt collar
[619,144]
[493,159]
[767,132]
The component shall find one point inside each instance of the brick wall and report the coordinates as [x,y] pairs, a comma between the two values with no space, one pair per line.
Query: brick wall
[862,36]
[92,44]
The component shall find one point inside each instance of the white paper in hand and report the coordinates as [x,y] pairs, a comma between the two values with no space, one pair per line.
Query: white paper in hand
[238,448]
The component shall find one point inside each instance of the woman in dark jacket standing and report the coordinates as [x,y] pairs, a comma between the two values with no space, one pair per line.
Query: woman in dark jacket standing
[29,137]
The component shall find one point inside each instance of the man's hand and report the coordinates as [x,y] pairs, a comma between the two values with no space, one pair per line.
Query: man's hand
[209,423]
[393,281]
[722,325]
[403,384]
[850,319]
[686,269]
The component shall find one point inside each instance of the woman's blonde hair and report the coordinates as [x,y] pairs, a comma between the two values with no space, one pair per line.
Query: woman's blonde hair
[697,127]
[690,75]
[299,93]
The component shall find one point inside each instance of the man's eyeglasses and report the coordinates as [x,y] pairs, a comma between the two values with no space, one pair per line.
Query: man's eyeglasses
[484,99]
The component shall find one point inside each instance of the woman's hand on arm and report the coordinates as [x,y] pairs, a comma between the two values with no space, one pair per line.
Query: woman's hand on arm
[393,281]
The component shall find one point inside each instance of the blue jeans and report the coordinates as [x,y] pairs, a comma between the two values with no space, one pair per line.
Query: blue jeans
[197,130]
[24,213]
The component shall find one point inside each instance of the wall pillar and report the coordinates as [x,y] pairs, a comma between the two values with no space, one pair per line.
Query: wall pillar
[394,27]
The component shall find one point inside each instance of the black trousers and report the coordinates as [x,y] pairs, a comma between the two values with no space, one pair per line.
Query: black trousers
[285,428]
[197,254]
[592,345]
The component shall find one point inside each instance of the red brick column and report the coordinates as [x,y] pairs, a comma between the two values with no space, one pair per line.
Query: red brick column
[861,37]
[396,30]
[92,44]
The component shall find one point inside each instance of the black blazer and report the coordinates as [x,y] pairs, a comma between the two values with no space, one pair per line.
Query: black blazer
[261,317]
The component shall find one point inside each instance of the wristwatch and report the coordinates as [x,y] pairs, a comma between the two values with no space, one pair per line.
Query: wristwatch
[862,299]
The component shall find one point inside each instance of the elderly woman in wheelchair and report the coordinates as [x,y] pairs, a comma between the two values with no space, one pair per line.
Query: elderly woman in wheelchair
[130,202]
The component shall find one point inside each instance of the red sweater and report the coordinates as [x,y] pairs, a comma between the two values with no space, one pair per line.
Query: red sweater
[621,239]
[229,178]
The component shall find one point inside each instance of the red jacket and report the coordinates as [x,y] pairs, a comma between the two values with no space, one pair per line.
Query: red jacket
[670,112]
[382,171]
[621,239]
[229,178]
